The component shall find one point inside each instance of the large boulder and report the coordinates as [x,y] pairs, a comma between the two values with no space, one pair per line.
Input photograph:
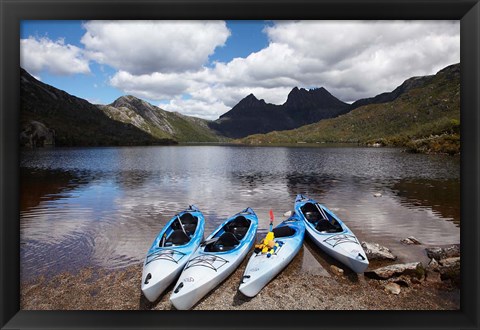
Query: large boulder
[375,251]
[413,268]
[439,253]
[449,269]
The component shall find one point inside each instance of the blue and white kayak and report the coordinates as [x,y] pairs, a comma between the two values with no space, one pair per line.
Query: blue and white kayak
[331,234]
[170,251]
[215,259]
[263,267]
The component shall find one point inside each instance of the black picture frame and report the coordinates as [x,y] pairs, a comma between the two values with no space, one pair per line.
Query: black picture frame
[13,11]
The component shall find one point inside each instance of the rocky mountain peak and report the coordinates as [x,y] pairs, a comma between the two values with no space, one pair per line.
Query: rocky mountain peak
[313,98]
[127,101]
[249,101]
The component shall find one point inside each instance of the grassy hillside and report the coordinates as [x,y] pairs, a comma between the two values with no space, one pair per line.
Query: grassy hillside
[159,123]
[423,119]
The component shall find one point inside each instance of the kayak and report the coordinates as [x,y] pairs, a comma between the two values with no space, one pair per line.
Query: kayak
[263,267]
[331,234]
[170,251]
[215,259]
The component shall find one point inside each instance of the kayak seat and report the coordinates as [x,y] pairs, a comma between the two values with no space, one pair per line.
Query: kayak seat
[283,231]
[238,227]
[226,242]
[189,223]
[327,227]
[311,212]
[188,218]
[190,228]
[313,216]
[178,237]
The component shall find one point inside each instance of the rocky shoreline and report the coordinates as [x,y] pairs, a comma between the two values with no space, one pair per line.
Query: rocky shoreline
[386,285]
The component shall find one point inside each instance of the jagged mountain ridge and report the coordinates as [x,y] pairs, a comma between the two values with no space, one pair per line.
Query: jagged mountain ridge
[311,106]
[252,116]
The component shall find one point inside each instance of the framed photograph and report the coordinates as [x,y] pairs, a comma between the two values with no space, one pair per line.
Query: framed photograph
[239,164]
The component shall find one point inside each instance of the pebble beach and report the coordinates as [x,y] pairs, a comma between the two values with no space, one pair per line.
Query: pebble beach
[310,282]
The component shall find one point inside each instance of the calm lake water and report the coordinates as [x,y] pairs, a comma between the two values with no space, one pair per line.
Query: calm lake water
[104,206]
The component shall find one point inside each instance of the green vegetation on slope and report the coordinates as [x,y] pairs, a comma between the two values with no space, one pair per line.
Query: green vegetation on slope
[190,129]
[160,123]
[423,119]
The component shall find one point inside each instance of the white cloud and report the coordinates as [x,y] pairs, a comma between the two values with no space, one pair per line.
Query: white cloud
[144,47]
[196,108]
[156,86]
[353,60]
[56,57]
[168,60]
[359,59]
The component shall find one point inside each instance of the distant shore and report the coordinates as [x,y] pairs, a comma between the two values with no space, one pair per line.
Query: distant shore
[296,288]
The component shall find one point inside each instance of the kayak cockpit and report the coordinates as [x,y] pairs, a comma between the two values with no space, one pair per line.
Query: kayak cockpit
[177,237]
[225,242]
[238,227]
[188,221]
[181,231]
[283,231]
[321,220]
[230,235]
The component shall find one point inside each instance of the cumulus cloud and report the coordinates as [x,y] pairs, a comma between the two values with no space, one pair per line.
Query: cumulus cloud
[58,58]
[168,61]
[144,47]
[155,86]
[358,59]
[353,60]
[197,108]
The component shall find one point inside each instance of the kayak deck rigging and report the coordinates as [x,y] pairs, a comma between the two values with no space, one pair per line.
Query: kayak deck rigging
[165,254]
[210,261]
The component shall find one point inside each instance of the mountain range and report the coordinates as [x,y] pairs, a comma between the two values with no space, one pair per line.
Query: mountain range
[127,121]
[422,114]
[251,115]
[307,115]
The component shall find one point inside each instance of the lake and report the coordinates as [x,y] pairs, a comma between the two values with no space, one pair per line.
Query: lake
[103,207]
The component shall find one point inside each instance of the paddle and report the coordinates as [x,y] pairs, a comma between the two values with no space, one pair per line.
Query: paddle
[271,219]
[181,225]
[322,212]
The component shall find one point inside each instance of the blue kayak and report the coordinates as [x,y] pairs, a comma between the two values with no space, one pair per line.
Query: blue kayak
[215,259]
[331,234]
[170,251]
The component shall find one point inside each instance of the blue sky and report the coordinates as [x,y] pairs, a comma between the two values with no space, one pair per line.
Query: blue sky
[246,37]
[203,68]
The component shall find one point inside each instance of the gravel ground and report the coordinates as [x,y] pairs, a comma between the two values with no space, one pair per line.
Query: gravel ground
[293,289]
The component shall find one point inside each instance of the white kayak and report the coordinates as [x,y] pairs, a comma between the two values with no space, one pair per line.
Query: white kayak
[215,259]
[331,234]
[263,267]
[170,251]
